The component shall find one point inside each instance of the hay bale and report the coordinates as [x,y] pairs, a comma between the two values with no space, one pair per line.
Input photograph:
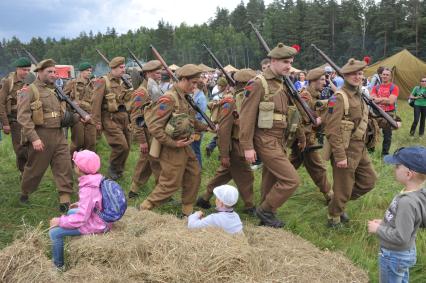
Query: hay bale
[148,247]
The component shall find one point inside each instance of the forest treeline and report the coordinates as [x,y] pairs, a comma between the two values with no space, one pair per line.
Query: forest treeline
[343,29]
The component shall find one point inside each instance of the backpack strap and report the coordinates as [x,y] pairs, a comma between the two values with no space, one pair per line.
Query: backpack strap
[265,87]
[36,92]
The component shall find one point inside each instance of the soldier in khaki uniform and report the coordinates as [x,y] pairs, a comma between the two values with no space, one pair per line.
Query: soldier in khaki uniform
[233,164]
[263,121]
[40,114]
[145,94]
[11,85]
[311,158]
[80,90]
[345,129]
[171,123]
[109,107]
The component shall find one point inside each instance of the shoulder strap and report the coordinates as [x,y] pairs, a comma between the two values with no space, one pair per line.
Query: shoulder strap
[265,86]
[392,87]
[345,101]
[36,92]
[11,82]
[107,83]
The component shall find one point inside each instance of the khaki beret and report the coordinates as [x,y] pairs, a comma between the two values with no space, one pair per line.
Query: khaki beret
[188,71]
[22,62]
[244,75]
[45,64]
[282,51]
[315,74]
[353,66]
[116,61]
[152,66]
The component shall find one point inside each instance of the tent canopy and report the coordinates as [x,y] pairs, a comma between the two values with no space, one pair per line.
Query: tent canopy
[407,70]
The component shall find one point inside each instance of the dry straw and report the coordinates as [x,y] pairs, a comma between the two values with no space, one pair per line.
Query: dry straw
[148,247]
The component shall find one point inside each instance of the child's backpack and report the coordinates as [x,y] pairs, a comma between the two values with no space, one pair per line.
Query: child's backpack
[114,203]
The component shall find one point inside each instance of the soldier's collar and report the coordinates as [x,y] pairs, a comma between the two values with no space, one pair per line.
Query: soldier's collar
[15,78]
[350,89]
[179,91]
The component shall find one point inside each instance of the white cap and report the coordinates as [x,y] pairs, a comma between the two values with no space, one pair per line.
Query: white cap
[226,194]
[328,69]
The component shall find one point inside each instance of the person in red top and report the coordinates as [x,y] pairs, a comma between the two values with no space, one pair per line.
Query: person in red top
[385,95]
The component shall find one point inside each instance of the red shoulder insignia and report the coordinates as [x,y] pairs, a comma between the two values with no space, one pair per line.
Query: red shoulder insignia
[164,99]
[227,100]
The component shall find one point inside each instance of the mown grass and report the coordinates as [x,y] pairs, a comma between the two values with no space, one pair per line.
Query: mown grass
[305,212]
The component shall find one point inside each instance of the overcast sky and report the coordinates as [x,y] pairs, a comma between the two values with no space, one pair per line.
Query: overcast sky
[59,18]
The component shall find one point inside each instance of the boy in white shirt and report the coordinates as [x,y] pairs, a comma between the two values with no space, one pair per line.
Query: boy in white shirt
[225,217]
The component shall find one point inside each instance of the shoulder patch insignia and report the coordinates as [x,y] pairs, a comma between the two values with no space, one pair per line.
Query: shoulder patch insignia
[331,103]
[161,109]
[248,88]
[164,99]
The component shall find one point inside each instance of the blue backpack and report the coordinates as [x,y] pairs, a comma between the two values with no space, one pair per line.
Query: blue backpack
[114,203]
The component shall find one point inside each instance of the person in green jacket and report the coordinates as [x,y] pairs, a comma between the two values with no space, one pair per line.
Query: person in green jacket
[419,96]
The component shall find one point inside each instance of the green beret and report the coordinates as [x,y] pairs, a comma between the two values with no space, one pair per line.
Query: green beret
[116,61]
[315,74]
[353,66]
[282,51]
[188,71]
[84,66]
[45,64]
[152,65]
[22,62]
[244,75]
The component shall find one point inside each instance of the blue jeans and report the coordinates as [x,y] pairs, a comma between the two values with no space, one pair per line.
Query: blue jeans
[57,235]
[394,265]
[196,147]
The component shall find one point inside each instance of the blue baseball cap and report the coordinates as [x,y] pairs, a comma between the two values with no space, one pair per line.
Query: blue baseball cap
[414,158]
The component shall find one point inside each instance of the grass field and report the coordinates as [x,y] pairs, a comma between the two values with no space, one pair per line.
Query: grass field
[305,212]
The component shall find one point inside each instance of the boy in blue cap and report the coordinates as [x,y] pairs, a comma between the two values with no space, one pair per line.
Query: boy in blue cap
[407,212]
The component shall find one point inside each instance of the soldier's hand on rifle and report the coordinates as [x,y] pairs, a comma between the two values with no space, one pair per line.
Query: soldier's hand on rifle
[38,145]
[143,147]
[184,142]
[250,155]
[6,129]
[225,162]
[342,164]
[319,121]
[98,126]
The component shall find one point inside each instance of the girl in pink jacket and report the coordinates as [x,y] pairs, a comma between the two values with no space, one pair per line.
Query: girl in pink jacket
[81,219]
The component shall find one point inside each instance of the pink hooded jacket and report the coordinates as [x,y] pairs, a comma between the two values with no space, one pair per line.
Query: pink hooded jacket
[90,197]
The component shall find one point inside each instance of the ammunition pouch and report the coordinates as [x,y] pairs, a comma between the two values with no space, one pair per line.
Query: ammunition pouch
[293,122]
[265,118]
[37,112]
[112,105]
[346,128]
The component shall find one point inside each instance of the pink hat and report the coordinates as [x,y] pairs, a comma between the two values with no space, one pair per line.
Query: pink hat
[87,161]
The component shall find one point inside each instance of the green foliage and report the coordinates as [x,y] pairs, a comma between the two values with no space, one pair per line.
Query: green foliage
[343,29]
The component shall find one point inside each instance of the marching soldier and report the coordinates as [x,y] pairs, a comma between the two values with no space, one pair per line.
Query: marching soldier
[11,85]
[233,164]
[40,114]
[263,121]
[172,123]
[109,108]
[147,92]
[310,157]
[80,90]
[345,128]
